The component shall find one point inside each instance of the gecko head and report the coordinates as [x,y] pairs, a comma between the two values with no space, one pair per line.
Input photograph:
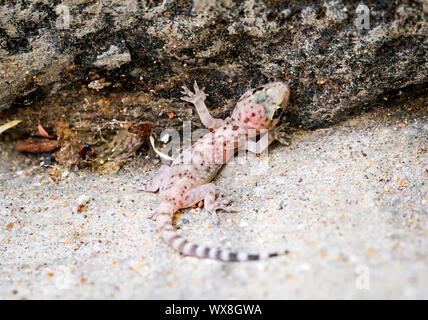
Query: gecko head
[261,107]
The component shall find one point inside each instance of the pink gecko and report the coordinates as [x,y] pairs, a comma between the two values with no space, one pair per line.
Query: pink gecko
[186,182]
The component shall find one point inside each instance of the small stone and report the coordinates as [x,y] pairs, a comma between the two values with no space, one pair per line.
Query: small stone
[83,199]
[243,224]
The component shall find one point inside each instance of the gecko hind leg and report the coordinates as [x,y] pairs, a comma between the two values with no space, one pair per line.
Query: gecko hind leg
[154,184]
[206,192]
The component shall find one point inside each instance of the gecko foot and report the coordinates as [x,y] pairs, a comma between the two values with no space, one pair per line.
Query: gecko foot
[146,187]
[140,187]
[214,214]
[218,205]
[280,135]
[189,96]
[154,184]
[154,215]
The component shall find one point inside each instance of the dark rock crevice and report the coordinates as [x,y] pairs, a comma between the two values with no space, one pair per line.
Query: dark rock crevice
[142,52]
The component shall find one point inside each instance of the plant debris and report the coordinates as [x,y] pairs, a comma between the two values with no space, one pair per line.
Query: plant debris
[9,125]
[37,145]
[43,132]
[143,129]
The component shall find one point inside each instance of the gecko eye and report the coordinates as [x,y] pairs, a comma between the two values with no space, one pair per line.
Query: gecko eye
[258,89]
[274,113]
[277,113]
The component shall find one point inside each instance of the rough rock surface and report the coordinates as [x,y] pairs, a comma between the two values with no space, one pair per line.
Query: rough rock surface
[334,68]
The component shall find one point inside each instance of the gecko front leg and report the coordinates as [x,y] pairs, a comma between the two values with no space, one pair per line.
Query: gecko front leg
[198,100]
[278,133]
[274,134]
[154,184]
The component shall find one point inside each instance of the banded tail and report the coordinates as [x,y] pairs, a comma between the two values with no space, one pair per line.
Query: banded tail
[176,241]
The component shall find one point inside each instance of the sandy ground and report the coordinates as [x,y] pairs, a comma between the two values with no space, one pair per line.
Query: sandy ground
[350,202]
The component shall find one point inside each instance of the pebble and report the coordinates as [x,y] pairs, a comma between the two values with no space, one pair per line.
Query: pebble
[243,224]
[304,267]
[83,199]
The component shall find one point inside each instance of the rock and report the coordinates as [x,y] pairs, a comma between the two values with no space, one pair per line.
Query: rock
[335,69]
[83,200]
[113,58]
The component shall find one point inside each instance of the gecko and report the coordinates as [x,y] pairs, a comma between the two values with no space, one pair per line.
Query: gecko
[187,180]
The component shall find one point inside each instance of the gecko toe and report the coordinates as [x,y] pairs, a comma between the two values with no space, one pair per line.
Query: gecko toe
[140,187]
[284,142]
[195,86]
[224,207]
[229,209]
[215,218]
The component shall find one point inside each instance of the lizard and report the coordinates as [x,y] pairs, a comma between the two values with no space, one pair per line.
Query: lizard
[186,181]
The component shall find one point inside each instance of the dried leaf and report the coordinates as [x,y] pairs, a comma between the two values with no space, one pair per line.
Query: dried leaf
[37,145]
[143,129]
[9,125]
[43,132]
[9,226]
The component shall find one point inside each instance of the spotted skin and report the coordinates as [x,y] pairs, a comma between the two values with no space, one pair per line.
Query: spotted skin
[187,180]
